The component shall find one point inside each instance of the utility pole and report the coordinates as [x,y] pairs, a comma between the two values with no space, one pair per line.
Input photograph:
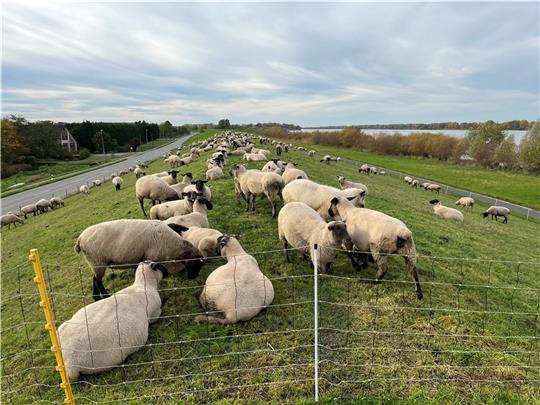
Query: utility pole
[146,135]
[102,142]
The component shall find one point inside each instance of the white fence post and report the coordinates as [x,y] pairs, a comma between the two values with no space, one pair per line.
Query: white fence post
[316,320]
[528,213]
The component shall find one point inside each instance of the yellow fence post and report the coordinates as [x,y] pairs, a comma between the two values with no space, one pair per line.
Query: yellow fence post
[51,326]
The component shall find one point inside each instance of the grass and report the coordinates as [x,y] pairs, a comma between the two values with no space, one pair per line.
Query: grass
[377,341]
[156,143]
[515,187]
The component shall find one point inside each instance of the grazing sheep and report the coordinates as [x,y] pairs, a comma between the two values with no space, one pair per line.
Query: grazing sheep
[253,183]
[236,291]
[279,149]
[97,182]
[113,175]
[57,202]
[174,161]
[344,183]
[200,187]
[303,228]
[377,233]
[123,172]
[10,218]
[434,187]
[139,172]
[446,212]
[373,169]
[29,209]
[117,183]
[84,189]
[155,189]
[199,216]
[364,169]
[291,173]
[43,205]
[497,212]
[408,179]
[466,202]
[204,239]
[414,183]
[318,196]
[103,334]
[125,242]
[326,159]
[425,185]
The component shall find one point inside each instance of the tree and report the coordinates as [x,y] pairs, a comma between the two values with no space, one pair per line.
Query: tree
[530,148]
[484,140]
[506,153]
[103,139]
[12,144]
[224,123]
[166,130]
[43,139]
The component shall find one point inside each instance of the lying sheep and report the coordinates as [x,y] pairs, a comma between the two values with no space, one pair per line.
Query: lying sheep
[57,202]
[103,334]
[254,183]
[497,212]
[200,187]
[84,189]
[170,209]
[446,212]
[10,218]
[126,242]
[155,189]
[254,157]
[344,183]
[29,209]
[318,196]
[43,205]
[377,233]
[382,172]
[236,291]
[291,173]
[117,183]
[204,239]
[466,202]
[302,228]
[199,216]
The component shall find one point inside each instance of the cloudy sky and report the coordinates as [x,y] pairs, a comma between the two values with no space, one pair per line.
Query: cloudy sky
[311,64]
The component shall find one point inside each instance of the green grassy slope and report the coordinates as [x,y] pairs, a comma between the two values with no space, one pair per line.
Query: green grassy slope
[377,341]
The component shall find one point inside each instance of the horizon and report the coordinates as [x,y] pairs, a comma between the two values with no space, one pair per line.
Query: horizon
[183,62]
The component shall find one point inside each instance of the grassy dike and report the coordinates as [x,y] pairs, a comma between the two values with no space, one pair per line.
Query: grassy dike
[461,331]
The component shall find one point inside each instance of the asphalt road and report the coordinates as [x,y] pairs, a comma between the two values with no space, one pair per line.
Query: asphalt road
[71,185]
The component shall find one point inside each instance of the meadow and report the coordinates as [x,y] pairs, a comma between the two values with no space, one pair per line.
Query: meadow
[472,339]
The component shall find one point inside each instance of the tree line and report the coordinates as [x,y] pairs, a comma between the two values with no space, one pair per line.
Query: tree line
[514,125]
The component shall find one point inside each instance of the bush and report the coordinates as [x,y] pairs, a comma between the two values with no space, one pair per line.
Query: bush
[84,153]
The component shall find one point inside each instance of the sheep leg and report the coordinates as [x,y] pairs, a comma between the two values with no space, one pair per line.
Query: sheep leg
[382,264]
[102,289]
[286,251]
[410,262]
[247,197]
[96,294]
[253,197]
[273,203]
[505,219]
[354,260]
[141,202]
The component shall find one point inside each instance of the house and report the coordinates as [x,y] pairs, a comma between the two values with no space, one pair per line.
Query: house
[66,139]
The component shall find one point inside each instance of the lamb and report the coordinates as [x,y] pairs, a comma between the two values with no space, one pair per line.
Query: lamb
[253,183]
[303,228]
[139,172]
[254,157]
[170,209]
[200,187]
[84,189]
[57,202]
[117,183]
[199,216]
[377,233]
[29,209]
[434,187]
[103,334]
[126,242]
[43,205]
[236,291]
[344,183]
[155,189]
[446,212]
[291,173]
[318,196]
[497,212]
[10,218]
[204,239]
[326,159]
[466,202]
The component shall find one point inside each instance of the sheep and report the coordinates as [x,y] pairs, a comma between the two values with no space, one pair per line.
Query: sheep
[446,212]
[155,189]
[29,209]
[200,187]
[161,174]
[97,182]
[373,169]
[254,157]
[10,218]
[174,161]
[170,209]
[204,239]
[311,153]
[364,169]
[466,202]
[407,179]
[186,181]
[434,187]
[117,183]
[382,172]
[326,159]
[124,242]
[303,228]
[272,167]
[214,173]
[253,183]
[84,189]
[56,202]
[138,172]
[318,196]
[425,185]
[123,172]
[113,175]
[238,152]
[414,183]
[131,168]
[497,212]
[171,178]
[291,173]
[279,149]
[236,291]
[377,233]
[199,216]
[103,334]
[344,183]
[264,152]
[43,205]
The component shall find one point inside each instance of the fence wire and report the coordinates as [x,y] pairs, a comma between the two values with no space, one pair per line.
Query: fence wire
[477,324]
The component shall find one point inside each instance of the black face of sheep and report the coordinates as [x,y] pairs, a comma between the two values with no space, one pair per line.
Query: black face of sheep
[202,200]
[199,184]
[193,267]
[160,267]
[333,202]
[190,195]
[433,202]
[173,173]
[221,243]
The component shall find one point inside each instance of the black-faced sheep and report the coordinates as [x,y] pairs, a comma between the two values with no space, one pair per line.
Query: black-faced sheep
[497,212]
[446,212]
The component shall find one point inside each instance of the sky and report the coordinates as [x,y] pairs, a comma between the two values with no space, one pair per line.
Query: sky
[311,64]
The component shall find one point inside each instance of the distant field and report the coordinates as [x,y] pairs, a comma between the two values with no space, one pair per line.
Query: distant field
[156,143]
[476,324]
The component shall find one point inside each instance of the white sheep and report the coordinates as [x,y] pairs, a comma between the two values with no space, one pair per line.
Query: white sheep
[382,172]
[155,189]
[326,159]
[414,183]
[291,173]
[272,167]
[170,209]
[365,168]
[407,179]
[344,183]
[171,178]
[186,181]
[497,212]
[97,182]
[200,187]
[214,173]
[117,183]
[126,242]
[43,205]
[57,202]
[236,291]
[254,157]
[373,169]
[446,212]
[84,189]
[103,334]
[29,209]
[378,234]
[139,172]
[434,187]
[466,202]
[311,153]
[302,228]
[10,218]
[318,196]
[199,216]
[204,239]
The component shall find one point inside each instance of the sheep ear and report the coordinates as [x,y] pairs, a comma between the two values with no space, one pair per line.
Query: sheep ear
[362,193]
[208,204]
[178,228]
[334,200]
